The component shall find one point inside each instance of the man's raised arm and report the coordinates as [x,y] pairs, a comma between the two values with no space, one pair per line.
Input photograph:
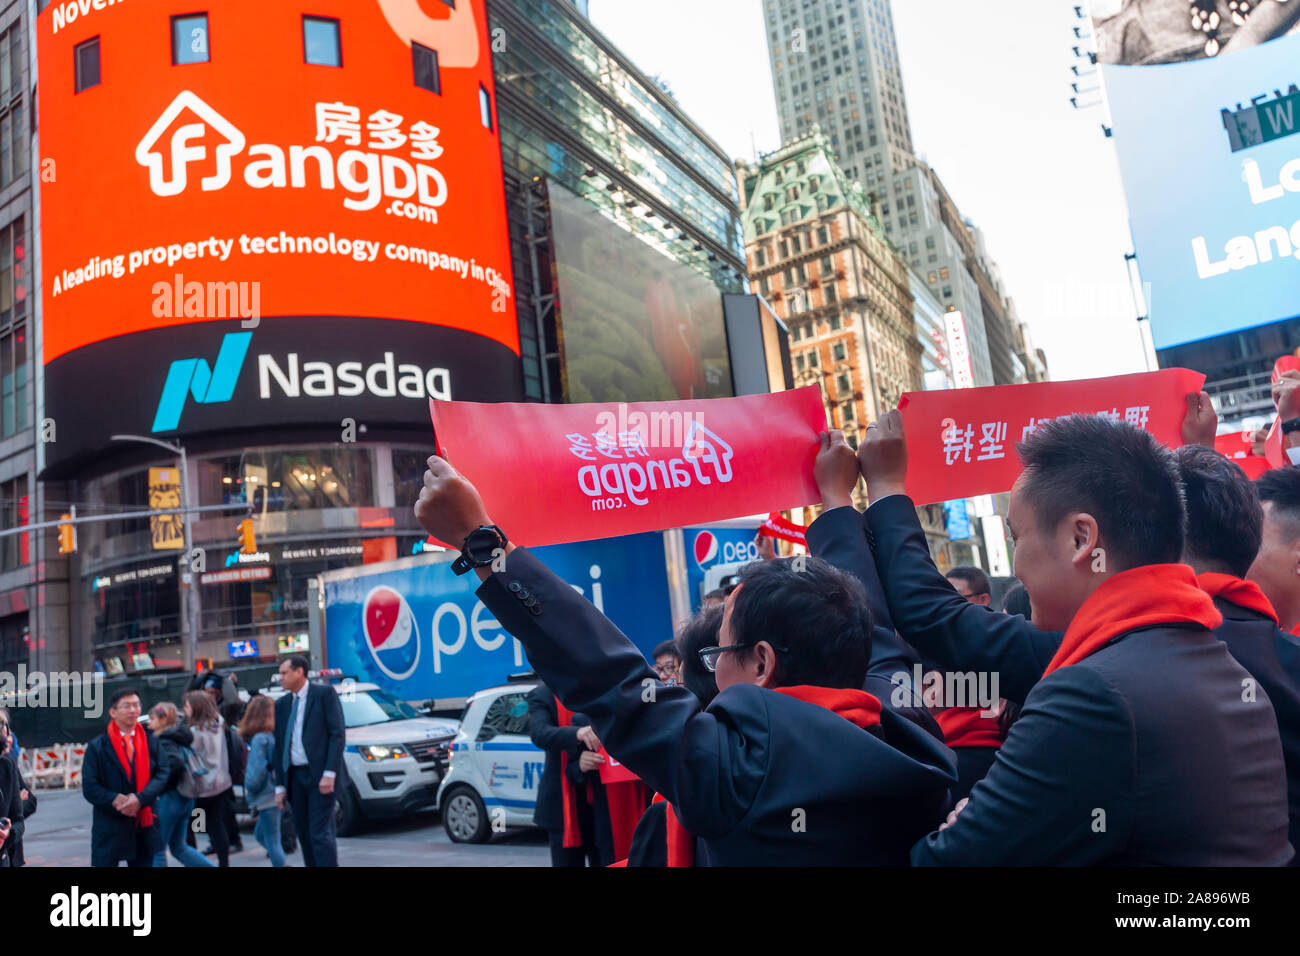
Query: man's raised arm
[657,731]
[926,608]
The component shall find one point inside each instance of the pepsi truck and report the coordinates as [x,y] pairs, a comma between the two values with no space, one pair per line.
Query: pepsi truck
[416,633]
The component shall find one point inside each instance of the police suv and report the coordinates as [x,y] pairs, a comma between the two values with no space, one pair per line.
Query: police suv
[495,769]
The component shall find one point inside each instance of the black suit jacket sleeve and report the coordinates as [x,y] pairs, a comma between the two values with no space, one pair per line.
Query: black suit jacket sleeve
[658,732]
[159,770]
[1061,789]
[12,806]
[335,733]
[93,787]
[543,728]
[943,625]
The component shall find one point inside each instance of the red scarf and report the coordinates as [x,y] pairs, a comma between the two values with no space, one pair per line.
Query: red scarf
[1237,591]
[1140,597]
[964,727]
[626,801]
[856,706]
[140,745]
[572,833]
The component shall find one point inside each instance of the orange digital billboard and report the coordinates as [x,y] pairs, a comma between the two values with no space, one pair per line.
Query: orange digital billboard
[265,210]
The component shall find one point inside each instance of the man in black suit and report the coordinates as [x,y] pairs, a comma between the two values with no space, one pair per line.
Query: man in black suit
[121,776]
[570,748]
[308,762]
[1135,744]
[792,764]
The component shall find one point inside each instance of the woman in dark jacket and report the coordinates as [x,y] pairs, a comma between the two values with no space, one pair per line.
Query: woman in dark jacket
[11,802]
[174,809]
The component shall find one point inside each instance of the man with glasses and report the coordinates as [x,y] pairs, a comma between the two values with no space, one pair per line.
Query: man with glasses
[971,583]
[667,663]
[791,764]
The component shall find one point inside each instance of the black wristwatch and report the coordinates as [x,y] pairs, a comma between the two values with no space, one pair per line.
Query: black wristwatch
[1290,425]
[480,549]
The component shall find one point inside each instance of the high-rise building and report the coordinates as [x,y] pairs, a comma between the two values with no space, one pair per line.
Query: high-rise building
[835,64]
[818,255]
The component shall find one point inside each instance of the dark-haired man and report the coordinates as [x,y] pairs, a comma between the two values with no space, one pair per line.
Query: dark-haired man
[1105,764]
[308,759]
[1276,568]
[1224,527]
[792,764]
[122,775]
[971,583]
[667,663]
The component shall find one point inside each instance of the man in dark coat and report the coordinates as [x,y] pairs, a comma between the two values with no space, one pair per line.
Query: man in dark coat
[792,764]
[122,774]
[564,743]
[308,767]
[1135,745]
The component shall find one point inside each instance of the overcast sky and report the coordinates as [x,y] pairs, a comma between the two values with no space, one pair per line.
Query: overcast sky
[988,98]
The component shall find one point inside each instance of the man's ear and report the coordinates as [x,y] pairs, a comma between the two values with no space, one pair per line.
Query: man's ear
[1084,537]
[765,663]
[985,599]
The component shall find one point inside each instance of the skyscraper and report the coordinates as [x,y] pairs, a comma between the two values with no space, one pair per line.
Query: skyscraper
[835,64]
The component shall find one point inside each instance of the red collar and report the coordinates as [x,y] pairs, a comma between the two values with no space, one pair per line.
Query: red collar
[1140,597]
[1237,591]
[856,706]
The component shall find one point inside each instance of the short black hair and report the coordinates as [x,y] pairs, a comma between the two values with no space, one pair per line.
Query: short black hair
[975,579]
[1115,472]
[699,632]
[119,694]
[816,611]
[1016,601]
[666,647]
[1281,487]
[298,663]
[1225,521]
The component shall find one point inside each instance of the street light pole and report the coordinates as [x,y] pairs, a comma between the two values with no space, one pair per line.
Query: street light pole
[191,592]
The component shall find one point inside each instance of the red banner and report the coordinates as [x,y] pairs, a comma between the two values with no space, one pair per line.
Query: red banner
[611,771]
[1236,447]
[555,473]
[778,526]
[961,442]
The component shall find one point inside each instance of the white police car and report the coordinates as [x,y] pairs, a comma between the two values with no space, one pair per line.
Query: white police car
[395,757]
[495,769]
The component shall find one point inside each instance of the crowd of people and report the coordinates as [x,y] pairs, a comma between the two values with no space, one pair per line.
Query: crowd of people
[154,788]
[1146,708]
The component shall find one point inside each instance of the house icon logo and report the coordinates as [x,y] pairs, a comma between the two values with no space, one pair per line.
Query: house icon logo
[182,148]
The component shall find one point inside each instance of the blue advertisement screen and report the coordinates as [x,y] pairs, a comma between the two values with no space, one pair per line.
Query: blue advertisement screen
[419,631]
[1207,126]
[706,547]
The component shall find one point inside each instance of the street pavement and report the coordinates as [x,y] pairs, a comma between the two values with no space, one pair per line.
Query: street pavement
[59,835]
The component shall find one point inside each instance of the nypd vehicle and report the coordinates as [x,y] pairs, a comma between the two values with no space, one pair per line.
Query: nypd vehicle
[395,757]
[492,781]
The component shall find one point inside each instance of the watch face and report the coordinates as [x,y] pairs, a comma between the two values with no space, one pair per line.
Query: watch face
[482,544]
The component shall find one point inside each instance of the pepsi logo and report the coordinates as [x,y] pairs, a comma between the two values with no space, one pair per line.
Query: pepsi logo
[391,635]
[706,547]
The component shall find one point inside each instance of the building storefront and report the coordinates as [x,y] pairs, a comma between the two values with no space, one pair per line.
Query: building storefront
[315,509]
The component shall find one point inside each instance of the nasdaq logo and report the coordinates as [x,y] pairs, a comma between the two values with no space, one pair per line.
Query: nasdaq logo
[209,385]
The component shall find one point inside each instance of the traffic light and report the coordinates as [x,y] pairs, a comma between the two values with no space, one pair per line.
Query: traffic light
[67,535]
[247,540]
[202,664]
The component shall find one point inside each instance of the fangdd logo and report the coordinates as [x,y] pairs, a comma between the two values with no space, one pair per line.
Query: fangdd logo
[180,137]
